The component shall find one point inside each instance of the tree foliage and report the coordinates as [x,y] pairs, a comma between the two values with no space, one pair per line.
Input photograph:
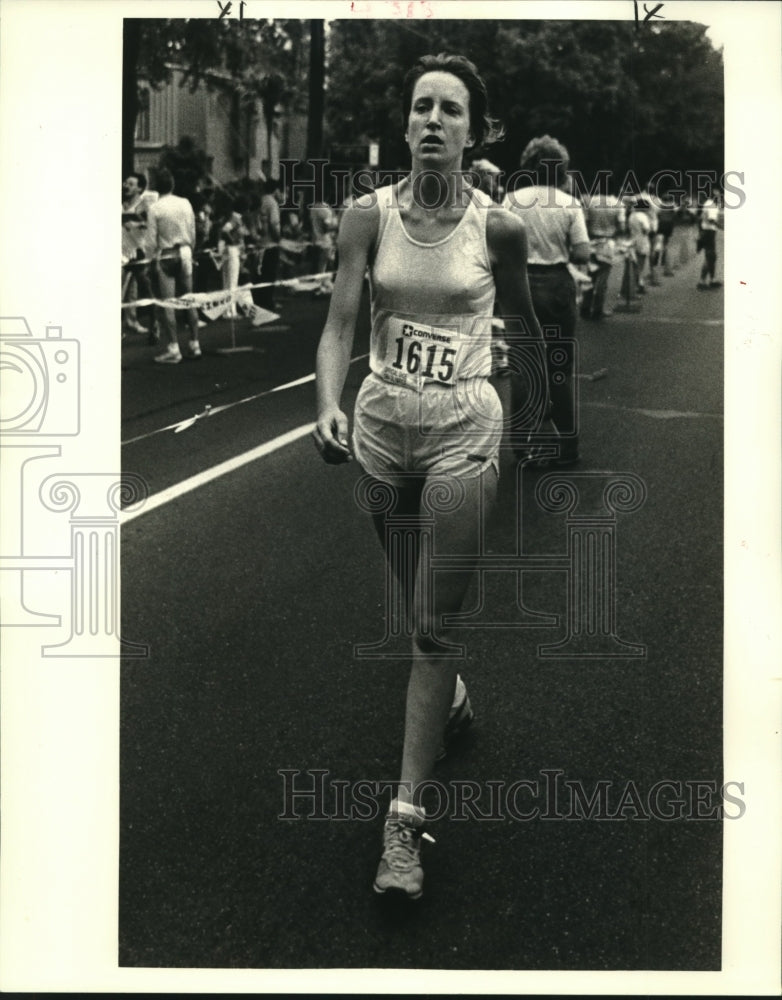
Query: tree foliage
[620,97]
[188,163]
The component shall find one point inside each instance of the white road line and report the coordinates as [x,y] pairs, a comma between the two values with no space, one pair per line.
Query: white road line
[181,424]
[654,414]
[208,475]
[676,320]
[298,381]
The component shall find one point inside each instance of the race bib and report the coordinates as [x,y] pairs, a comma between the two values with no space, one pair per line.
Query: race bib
[417,353]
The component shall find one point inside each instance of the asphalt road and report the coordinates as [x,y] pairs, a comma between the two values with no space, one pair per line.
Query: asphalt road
[251,590]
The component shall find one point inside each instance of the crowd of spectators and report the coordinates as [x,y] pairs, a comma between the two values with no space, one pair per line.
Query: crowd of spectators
[252,232]
[244,233]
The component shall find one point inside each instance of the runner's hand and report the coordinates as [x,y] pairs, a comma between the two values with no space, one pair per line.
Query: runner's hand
[331,437]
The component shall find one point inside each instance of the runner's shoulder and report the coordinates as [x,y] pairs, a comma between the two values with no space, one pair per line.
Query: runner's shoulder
[360,220]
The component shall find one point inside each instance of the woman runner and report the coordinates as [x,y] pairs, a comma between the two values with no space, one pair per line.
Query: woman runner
[437,250]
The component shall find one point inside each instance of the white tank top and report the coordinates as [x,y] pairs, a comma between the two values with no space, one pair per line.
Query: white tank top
[432,303]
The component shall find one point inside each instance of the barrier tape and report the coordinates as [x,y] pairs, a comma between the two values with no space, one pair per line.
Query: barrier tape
[217,302]
[289,246]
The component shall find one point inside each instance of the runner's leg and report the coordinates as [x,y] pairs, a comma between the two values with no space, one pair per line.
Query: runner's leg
[433,676]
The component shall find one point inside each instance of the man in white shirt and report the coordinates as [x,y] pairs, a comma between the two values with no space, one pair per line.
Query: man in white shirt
[170,240]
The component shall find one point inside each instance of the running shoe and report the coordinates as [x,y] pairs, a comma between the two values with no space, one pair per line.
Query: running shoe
[258,316]
[400,868]
[459,719]
[172,356]
[194,349]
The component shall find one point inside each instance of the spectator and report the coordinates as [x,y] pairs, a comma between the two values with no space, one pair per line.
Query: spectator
[253,231]
[649,206]
[639,228]
[230,248]
[136,284]
[666,217]
[170,240]
[292,245]
[204,275]
[269,236]
[487,176]
[710,222]
[323,224]
[686,218]
[605,219]
[557,234]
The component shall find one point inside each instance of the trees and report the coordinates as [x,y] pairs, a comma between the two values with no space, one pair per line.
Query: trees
[618,96]
[316,81]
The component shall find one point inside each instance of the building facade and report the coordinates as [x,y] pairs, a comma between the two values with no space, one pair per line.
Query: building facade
[231,132]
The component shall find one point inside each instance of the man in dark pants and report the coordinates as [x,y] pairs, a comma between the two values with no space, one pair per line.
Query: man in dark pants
[557,235]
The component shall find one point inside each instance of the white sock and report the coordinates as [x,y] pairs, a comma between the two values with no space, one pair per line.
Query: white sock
[459,692]
[406,810]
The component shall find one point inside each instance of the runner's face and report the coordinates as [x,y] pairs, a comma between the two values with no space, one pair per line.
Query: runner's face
[130,187]
[438,126]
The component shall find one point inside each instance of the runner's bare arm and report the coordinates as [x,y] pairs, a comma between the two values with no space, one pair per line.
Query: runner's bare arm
[356,239]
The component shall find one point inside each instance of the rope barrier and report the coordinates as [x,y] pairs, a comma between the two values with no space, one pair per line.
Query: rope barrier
[289,246]
[223,297]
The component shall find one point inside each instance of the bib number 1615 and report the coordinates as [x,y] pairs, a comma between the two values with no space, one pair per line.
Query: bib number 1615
[436,362]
